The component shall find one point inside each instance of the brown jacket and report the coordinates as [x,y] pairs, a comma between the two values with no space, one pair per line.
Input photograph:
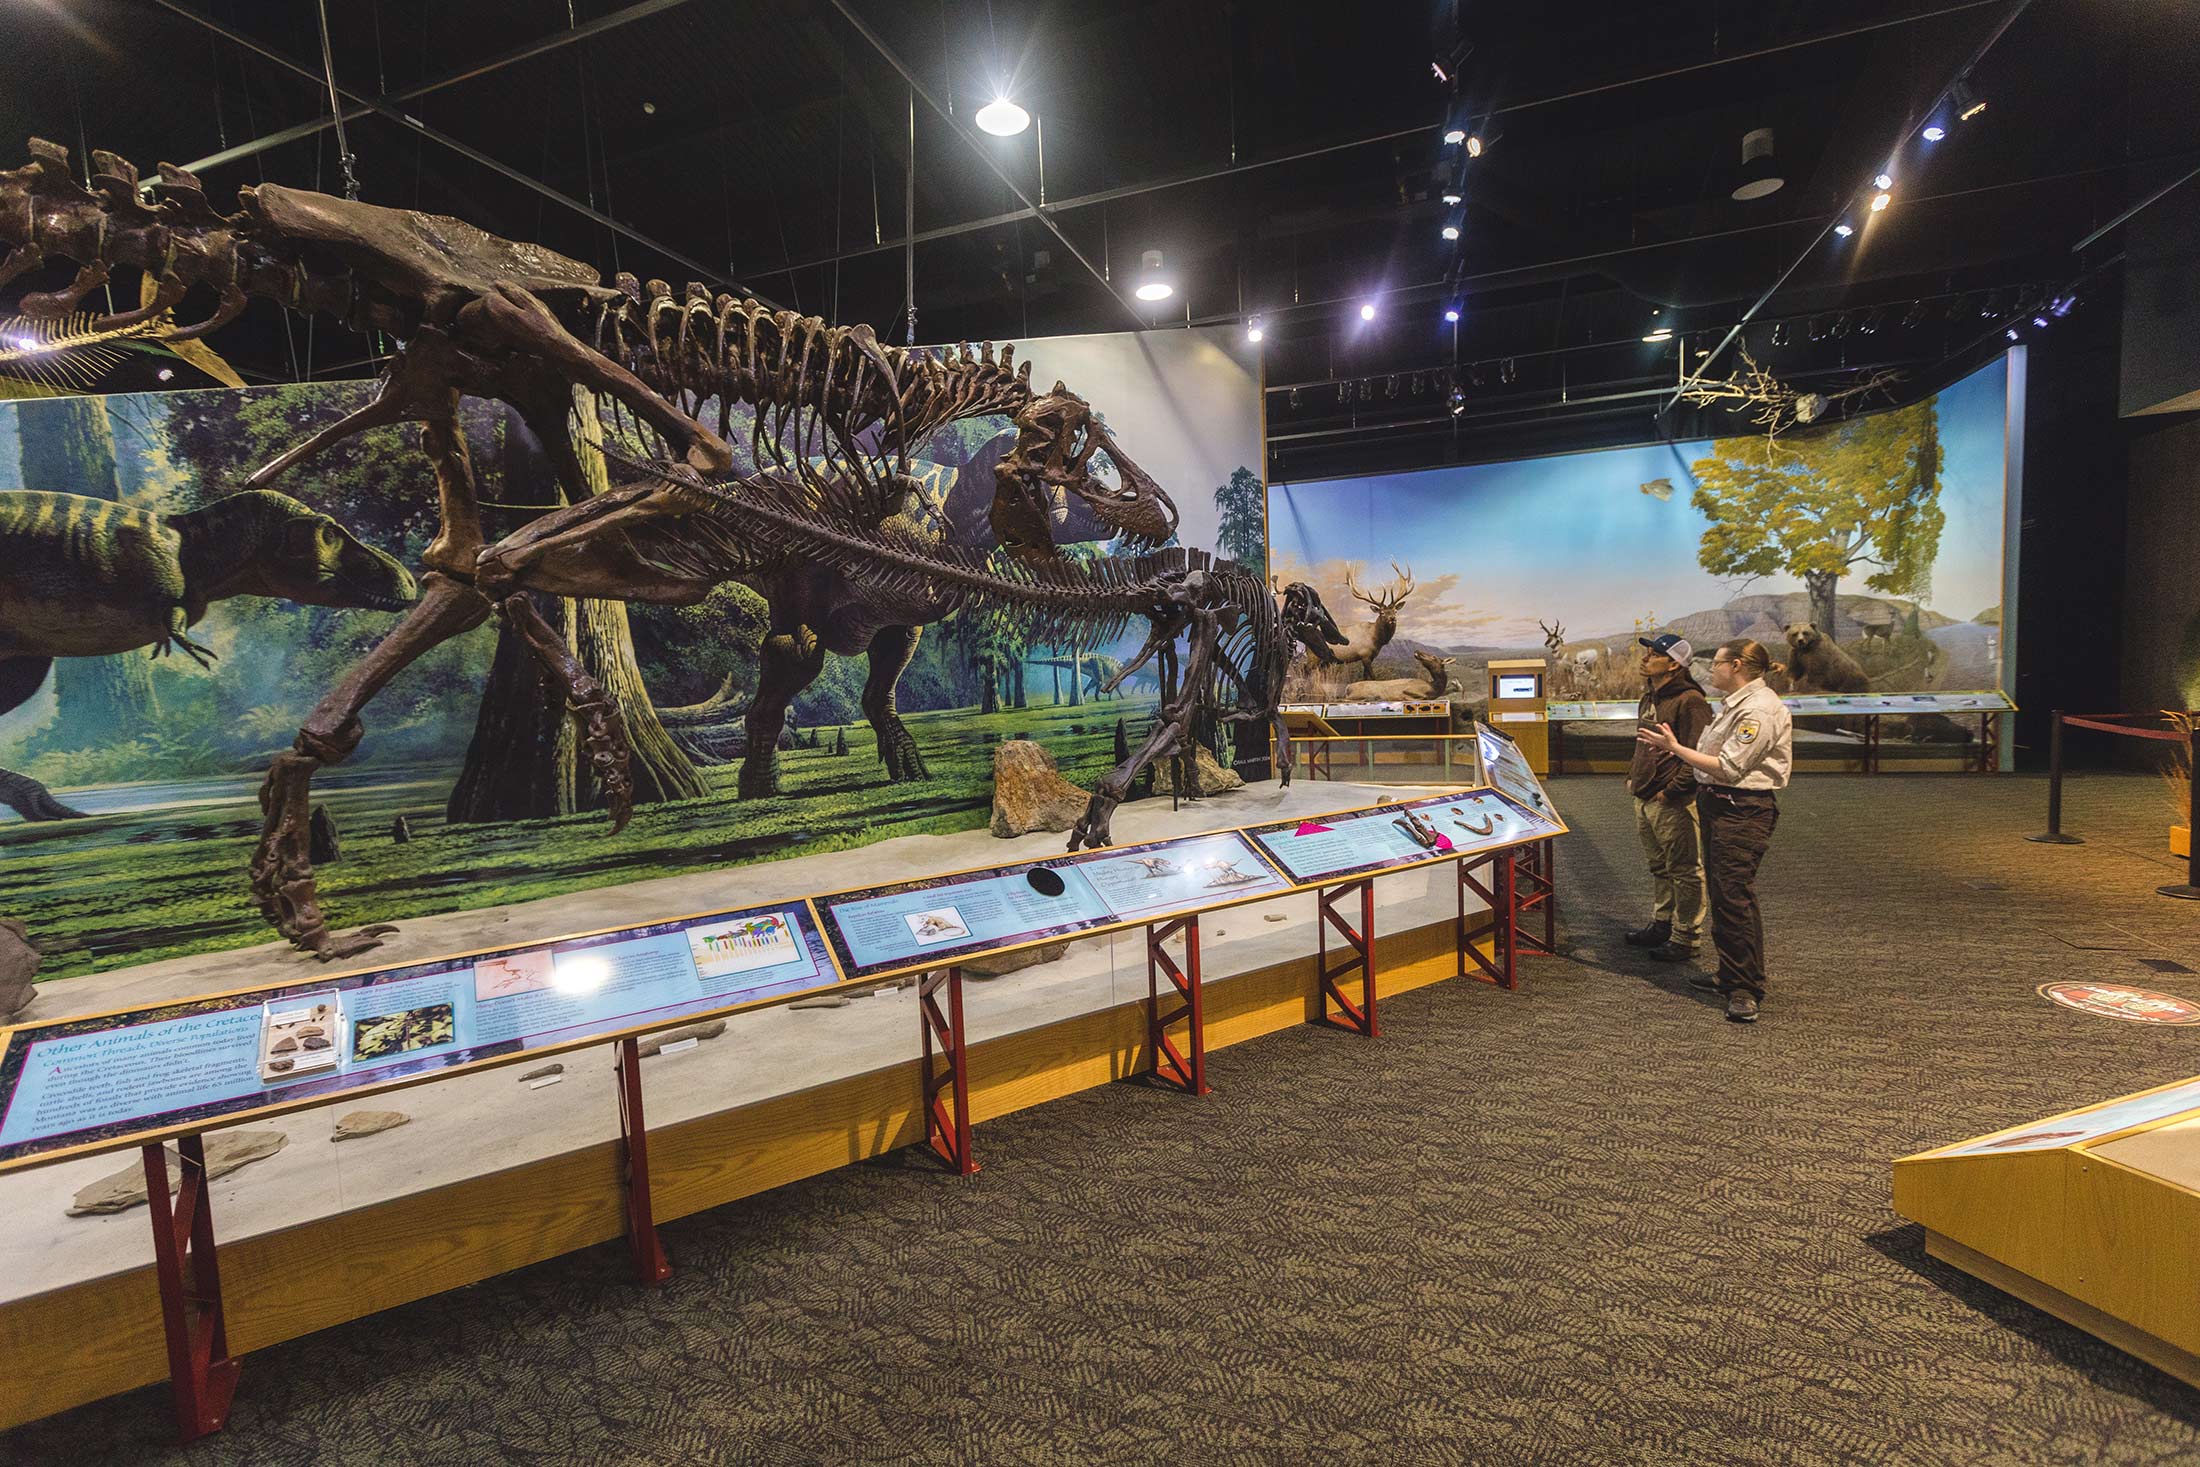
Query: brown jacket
[1655,774]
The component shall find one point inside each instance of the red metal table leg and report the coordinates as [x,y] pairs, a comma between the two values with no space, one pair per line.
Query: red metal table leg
[1537,889]
[947,1135]
[1171,1066]
[1500,895]
[201,1375]
[650,1264]
[1359,1017]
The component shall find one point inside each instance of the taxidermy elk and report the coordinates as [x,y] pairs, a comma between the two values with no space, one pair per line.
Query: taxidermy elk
[1436,683]
[1366,644]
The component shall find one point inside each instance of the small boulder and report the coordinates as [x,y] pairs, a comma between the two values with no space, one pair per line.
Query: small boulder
[1211,777]
[18,966]
[354,1124]
[1029,792]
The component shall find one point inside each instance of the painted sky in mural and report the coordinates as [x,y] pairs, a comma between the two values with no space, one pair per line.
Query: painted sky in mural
[1602,541]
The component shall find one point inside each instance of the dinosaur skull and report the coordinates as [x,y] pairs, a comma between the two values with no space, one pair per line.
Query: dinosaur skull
[1057,435]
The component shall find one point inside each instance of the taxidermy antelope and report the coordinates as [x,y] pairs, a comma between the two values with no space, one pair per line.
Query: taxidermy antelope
[1366,644]
[1435,684]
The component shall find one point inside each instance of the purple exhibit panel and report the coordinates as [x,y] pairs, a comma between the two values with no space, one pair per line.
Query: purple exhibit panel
[82,1081]
[937,919]
[1325,848]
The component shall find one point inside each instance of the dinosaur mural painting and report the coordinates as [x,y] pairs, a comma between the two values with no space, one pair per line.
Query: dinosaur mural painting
[84,577]
[477,315]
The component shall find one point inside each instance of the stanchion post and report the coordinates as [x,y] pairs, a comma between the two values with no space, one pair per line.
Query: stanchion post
[2054,836]
[2189,889]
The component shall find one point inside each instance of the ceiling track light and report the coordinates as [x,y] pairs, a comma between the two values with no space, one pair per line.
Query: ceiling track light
[1933,132]
[1002,118]
[1451,231]
[1367,310]
[1153,284]
[1474,145]
[1454,136]
[1968,103]
[1510,372]
[1779,333]
[1452,198]
[1883,182]
[1760,176]
[1451,314]
[1880,202]
[1252,329]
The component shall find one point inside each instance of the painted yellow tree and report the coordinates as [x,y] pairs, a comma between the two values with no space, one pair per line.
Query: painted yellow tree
[1866,493]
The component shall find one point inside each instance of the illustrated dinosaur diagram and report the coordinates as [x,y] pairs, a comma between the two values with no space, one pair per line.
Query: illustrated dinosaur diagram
[632,364]
[84,577]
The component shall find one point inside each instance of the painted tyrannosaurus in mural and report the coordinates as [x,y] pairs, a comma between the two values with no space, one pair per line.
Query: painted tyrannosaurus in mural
[83,577]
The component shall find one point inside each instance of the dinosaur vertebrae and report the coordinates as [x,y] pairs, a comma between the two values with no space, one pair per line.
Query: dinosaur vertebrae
[697,346]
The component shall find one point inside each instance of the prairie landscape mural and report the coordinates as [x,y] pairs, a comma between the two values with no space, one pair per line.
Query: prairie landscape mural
[128,782]
[1883,532]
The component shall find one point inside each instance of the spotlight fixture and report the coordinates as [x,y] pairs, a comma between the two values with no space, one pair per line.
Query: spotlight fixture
[1914,316]
[1476,375]
[1779,333]
[1454,136]
[1840,327]
[2011,333]
[1458,401]
[1509,372]
[1451,231]
[1663,333]
[2063,303]
[1990,306]
[649,109]
[166,374]
[1883,182]
[1760,176]
[1474,145]
[1933,132]
[1367,310]
[1968,103]
[2040,321]
[1438,68]
[1252,328]
[1390,387]
[1869,326]
[1880,202]
[1152,284]
[1451,198]
[1002,118]
[1844,229]
[1294,399]
[1816,330]
[1451,314]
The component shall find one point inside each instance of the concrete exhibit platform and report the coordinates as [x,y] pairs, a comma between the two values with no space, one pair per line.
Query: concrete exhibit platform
[494,1171]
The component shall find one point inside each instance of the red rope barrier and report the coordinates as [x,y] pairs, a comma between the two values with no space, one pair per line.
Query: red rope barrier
[2172,735]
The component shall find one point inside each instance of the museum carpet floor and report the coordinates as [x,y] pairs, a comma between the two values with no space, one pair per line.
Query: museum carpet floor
[1585,1222]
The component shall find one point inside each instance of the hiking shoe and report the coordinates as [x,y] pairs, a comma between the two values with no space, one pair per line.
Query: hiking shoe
[1674,952]
[1657,934]
[1704,983]
[1741,1008]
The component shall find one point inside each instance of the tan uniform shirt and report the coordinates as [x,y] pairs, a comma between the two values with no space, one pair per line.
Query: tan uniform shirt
[1754,738]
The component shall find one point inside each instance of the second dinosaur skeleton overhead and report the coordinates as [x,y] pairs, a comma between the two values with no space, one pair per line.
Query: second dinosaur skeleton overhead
[1237,636]
[478,315]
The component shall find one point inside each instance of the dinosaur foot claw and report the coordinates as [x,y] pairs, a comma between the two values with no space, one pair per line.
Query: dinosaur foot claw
[603,733]
[329,948]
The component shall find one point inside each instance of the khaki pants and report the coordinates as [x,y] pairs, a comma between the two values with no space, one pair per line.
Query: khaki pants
[1671,841]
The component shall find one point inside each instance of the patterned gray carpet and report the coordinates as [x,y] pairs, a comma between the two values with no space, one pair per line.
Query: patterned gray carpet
[1585,1222]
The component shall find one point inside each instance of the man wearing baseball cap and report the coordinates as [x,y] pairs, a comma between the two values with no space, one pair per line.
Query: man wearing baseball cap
[1665,801]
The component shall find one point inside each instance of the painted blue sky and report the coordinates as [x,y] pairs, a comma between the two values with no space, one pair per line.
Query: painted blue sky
[1495,547]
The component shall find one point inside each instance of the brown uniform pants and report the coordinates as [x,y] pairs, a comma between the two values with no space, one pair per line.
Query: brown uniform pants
[1737,826]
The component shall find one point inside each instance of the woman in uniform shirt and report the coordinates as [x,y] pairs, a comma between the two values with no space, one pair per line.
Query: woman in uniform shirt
[1741,759]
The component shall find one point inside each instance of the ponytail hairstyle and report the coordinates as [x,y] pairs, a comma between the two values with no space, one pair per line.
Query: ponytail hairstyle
[1750,656]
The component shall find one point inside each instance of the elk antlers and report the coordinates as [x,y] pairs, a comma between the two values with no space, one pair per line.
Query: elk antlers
[1390,599]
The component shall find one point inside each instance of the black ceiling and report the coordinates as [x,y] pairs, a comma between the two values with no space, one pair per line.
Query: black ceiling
[1284,155]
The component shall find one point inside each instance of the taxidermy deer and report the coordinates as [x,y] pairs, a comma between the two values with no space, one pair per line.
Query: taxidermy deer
[1366,644]
[1436,683]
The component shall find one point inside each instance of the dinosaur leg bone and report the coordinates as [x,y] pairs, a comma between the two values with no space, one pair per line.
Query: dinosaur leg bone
[282,872]
[603,731]
[1172,730]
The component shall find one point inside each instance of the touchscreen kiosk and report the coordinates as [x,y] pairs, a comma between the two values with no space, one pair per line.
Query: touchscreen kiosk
[1518,694]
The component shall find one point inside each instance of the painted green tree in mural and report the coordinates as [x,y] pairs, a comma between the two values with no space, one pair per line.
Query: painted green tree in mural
[1866,493]
[1242,533]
